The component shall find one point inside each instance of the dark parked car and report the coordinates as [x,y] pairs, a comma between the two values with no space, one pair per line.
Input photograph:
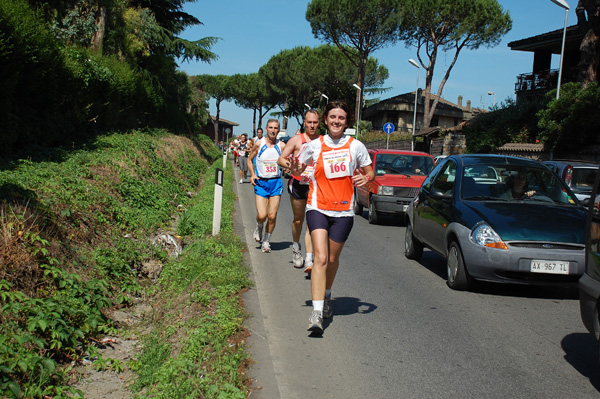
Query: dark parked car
[498,218]
[589,284]
[579,176]
[398,176]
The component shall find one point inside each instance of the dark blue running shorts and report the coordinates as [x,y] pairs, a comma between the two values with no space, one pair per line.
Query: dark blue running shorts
[297,190]
[338,227]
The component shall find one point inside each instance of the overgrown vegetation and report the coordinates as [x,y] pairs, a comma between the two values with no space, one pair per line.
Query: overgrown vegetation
[367,136]
[74,234]
[511,122]
[73,69]
[570,123]
[564,126]
[199,315]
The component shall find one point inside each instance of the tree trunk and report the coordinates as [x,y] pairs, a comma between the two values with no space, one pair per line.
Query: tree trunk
[216,124]
[285,118]
[98,36]
[428,82]
[361,83]
[590,58]
[588,20]
[443,83]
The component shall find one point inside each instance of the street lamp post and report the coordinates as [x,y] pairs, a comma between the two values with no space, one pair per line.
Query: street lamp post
[326,98]
[491,93]
[358,111]
[563,4]
[412,141]
[307,106]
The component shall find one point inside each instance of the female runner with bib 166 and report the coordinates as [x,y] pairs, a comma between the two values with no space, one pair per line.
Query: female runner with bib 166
[329,214]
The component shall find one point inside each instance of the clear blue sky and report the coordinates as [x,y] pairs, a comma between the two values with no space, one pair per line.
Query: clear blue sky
[252,32]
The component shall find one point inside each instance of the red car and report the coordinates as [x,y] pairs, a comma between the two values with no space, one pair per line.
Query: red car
[398,177]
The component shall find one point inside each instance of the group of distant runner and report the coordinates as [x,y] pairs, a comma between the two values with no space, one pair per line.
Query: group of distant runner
[324,171]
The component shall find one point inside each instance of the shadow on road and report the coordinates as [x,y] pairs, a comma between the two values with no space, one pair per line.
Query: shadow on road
[385,220]
[277,246]
[344,306]
[581,351]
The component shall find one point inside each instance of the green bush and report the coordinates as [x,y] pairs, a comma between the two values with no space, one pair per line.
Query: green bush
[569,123]
[55,93]
[37,101]
[512,122]
[208,148]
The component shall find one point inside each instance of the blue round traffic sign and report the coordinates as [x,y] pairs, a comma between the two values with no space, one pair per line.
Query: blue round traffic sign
[388,128]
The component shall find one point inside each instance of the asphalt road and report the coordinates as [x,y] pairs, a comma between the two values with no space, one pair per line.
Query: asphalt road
[399,332]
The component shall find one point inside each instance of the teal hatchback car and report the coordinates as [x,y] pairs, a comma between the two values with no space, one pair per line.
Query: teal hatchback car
[500,219]
[589,284]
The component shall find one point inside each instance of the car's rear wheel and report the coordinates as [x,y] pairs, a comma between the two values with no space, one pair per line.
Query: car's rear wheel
[413,248]
[373,216]
[358,208]
[458,277]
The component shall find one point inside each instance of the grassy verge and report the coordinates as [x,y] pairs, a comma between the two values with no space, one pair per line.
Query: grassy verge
[75,231]
[197,347]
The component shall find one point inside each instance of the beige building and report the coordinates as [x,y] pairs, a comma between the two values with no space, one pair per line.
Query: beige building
[399,110]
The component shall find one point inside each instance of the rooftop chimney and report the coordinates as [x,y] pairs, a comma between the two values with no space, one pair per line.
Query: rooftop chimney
[468,105]
[460,101]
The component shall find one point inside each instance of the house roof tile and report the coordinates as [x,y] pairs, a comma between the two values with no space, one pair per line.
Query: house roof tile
[522,147]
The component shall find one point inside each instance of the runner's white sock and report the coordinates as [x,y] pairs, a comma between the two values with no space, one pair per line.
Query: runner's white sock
[309,256]
[267,237]
[296,246]
[318,305]
[260,225]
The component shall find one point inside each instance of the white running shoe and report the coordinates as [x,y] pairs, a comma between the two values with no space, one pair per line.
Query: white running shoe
[258,233]
[265,247]
[308,265]
[315,322]
[297,258]
[241,181]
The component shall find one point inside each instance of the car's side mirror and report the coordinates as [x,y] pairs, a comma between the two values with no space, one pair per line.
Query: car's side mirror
[439,194]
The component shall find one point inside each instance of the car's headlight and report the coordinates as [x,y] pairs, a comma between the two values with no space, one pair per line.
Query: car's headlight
[385,190]
[485,236]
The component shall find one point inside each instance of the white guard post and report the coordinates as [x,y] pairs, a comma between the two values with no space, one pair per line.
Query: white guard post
[225,158]
[218,202]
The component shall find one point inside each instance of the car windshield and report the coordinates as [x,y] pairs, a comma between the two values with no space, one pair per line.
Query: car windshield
[403,164]
[514,183]
[582,179]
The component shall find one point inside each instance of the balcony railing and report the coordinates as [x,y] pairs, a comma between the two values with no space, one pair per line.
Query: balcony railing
[539,81]
[542,81]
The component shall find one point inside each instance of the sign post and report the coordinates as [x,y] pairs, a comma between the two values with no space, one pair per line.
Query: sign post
[389,129]
[217,202]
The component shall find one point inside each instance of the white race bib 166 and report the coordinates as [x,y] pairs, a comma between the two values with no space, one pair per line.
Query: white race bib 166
[337,163]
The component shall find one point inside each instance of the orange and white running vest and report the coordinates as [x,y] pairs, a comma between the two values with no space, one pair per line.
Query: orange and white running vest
[331,187]
[305,177]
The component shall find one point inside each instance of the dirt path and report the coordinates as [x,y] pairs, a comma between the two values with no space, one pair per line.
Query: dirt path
[109,384]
